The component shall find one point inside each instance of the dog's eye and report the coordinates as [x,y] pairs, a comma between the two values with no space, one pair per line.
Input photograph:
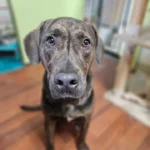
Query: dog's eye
[86,42]
[51,40]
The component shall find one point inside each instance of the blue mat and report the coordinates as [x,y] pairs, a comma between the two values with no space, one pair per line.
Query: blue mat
[9,64]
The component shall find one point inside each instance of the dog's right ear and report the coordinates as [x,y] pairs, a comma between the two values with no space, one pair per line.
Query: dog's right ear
[31,43]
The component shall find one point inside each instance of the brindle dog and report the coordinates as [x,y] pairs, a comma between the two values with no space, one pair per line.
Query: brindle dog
[66,48]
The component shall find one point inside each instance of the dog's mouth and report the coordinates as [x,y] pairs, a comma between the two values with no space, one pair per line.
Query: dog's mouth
[68,99]
[63,95]
[66,96]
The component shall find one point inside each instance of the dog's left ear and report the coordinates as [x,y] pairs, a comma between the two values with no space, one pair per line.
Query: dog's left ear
[99,48]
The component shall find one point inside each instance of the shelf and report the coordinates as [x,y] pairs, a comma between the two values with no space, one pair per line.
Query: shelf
[10,47]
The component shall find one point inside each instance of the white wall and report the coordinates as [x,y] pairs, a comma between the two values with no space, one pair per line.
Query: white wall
[4,12]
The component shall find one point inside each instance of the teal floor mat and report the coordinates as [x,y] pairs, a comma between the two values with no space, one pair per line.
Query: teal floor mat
[9,64]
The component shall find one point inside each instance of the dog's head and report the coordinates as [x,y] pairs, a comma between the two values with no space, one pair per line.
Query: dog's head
[66,48]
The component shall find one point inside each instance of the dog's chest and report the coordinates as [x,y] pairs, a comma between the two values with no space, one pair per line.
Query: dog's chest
[69,112]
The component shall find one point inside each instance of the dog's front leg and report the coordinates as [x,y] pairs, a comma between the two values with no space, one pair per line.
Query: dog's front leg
[82,124]
[50,133]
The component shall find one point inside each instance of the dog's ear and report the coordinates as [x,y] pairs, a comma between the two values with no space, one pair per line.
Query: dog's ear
[99,48]
[31,43]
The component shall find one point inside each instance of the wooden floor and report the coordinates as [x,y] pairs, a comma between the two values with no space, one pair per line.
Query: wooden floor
[110,129]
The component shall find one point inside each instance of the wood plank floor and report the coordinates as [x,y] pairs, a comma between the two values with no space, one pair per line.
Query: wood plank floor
[110,128]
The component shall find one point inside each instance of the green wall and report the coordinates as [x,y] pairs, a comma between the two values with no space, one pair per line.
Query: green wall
[147,15]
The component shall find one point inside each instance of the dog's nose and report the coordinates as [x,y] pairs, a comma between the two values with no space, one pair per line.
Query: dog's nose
[66,81]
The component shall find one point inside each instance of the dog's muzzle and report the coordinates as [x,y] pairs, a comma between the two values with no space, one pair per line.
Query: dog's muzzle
[66,83]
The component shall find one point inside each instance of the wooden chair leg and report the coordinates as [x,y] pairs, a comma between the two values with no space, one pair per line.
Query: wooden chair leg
[148,89]
[122,73]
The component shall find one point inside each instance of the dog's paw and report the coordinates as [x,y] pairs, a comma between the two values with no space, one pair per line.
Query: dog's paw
[82,146]
[49,147]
